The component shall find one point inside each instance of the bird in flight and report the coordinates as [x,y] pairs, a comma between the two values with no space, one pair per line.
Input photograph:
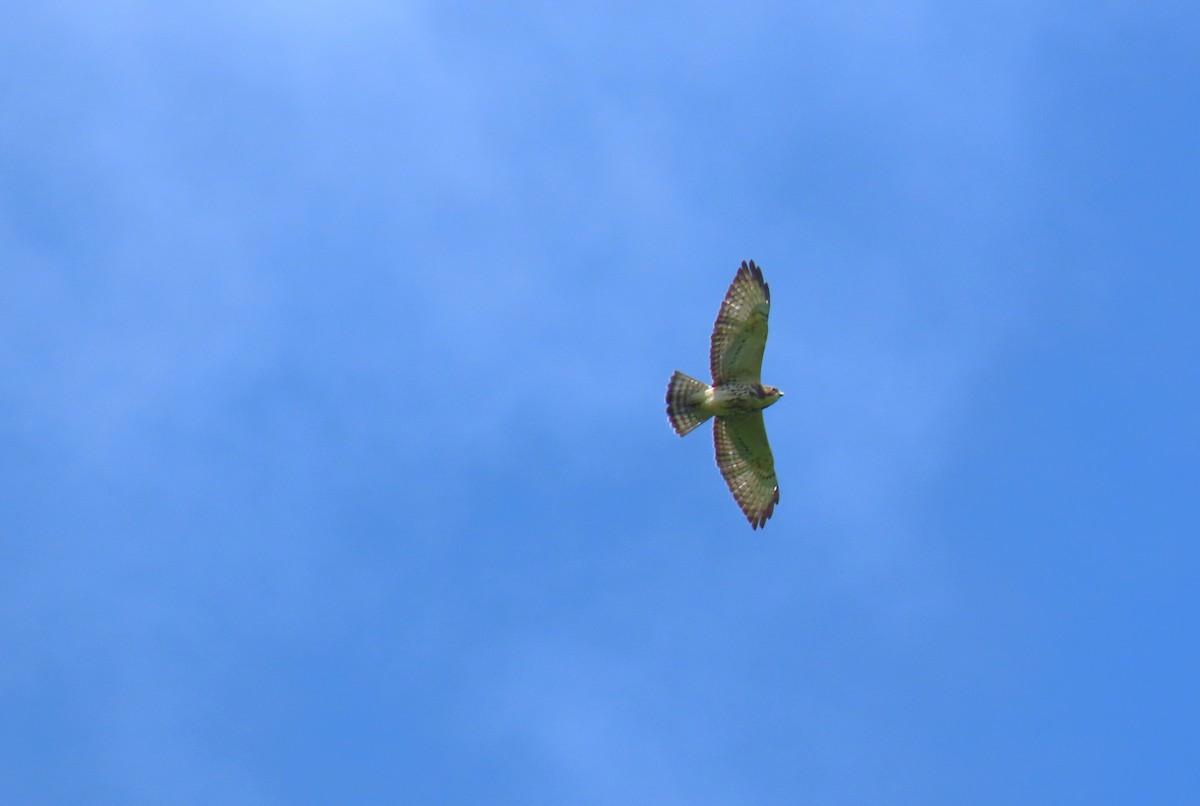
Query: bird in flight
[737,397]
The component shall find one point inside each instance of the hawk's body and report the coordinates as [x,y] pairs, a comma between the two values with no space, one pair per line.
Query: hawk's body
[737,397]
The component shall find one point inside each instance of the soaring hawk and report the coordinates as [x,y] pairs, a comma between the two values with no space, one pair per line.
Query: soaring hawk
[737,397]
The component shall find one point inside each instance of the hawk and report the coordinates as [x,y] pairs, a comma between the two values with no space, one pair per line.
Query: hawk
[737,397]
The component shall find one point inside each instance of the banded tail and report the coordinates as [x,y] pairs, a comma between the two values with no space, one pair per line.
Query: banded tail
[685,399]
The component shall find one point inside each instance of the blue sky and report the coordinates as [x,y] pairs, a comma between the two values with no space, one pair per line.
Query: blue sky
[334,343]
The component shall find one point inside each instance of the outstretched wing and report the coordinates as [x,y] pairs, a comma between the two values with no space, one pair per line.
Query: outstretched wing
[745,459]
[740,333]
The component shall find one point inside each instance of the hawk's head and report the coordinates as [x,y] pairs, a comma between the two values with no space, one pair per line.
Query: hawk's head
[770,395]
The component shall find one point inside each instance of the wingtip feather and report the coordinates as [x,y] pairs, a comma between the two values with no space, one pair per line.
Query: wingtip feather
[755,273]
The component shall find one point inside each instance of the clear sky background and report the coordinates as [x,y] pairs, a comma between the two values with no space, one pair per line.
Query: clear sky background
[333,344]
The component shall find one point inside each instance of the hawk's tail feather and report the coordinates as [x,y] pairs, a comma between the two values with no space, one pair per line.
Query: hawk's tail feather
[685,396]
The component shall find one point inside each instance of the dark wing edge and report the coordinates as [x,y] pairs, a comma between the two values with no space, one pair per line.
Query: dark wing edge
[739,335]
[745,460]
